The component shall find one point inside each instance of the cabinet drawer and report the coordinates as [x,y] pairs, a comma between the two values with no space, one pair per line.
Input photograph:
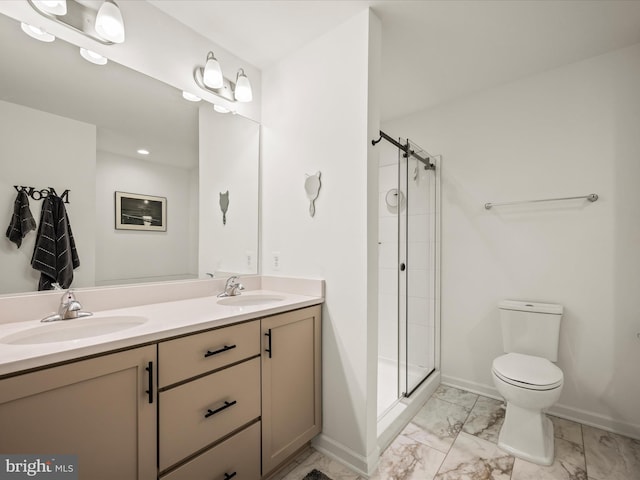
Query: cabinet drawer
[238,457]
[187,357]
[195,414]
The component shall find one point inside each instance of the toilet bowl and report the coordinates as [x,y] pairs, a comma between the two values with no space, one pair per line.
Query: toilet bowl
[529,385]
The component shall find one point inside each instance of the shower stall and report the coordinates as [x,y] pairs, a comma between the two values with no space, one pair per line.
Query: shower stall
[408,272]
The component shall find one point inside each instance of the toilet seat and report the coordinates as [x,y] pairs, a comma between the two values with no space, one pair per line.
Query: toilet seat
[527,371]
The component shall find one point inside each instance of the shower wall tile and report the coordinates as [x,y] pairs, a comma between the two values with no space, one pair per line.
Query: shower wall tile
[387,229]
[419,311]
[418,282]
[418,230]
[418,254]
[418,338]
[387,178]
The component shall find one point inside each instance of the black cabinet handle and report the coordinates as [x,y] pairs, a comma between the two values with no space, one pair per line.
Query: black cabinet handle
[268,334]
[149,369]
[217,410]
[223,349]
[227,476]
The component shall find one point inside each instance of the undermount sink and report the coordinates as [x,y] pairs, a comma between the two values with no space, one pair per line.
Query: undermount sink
[250,300]
[74,329]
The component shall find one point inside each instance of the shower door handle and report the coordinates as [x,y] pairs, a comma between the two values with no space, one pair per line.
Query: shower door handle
[403,267]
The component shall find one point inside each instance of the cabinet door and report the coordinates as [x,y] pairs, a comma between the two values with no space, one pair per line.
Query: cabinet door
[97,409]
[291,384]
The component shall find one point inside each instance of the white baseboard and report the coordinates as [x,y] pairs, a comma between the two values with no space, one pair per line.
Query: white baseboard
[563,411]
[343,454]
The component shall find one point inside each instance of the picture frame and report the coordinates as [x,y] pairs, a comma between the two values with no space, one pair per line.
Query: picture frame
[134,211]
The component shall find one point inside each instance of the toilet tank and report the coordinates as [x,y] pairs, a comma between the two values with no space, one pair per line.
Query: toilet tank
[531,328]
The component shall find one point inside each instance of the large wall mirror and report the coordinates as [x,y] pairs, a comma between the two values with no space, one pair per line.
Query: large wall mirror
[74,126]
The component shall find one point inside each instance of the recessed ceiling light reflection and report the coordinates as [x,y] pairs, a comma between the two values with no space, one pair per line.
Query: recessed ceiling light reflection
[190,96]
[221,109]
[37,33]
[143,151]
[93,57]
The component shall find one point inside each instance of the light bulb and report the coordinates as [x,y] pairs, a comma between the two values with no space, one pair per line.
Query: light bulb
[220,109]
[212,76]
[54,7]
[109,22]
[243,91]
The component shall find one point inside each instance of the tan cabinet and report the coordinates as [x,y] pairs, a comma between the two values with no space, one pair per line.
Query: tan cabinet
[98,409]
[291,384]
[209,404]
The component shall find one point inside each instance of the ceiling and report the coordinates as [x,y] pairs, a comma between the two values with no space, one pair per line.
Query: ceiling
[433,51]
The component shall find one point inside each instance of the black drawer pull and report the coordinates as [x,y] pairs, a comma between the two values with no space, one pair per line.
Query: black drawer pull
[268,350]
[149,368]
[223,349]
[217,410]
[227,476]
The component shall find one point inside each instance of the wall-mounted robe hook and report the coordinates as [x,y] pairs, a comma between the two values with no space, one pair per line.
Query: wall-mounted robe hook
[224,205]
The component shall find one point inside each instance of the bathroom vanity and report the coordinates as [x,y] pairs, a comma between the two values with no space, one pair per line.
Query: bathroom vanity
[235,396]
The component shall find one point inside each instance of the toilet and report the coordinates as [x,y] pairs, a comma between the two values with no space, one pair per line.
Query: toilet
[527,379]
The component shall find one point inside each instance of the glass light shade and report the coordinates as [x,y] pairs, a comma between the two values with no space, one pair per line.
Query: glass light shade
[243,91]
[54,7]
[109,22]
[143,151]
[190,96]
[93,57]
[212,76]
[37,33]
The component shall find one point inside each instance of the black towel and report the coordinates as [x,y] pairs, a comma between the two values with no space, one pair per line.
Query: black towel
[22,221]
[55,253]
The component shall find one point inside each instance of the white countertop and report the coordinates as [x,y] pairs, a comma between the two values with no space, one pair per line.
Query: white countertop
[164,320]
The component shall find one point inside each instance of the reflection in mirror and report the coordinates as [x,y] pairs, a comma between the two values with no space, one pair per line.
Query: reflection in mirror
[74,126]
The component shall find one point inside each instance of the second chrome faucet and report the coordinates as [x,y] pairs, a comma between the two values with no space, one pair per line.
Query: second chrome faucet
[232,288]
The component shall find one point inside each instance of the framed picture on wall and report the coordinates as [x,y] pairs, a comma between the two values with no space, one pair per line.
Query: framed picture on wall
[140,212]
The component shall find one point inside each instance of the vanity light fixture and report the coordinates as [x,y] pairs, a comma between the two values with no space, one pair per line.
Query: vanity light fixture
[190,96]
[212,76]
[104,24]
[243,91]
[54,7]
[37,32]
[109,22]
[93,57]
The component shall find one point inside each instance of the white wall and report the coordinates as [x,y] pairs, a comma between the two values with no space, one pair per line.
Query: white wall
[229,161]
[36,151]
[569,131]
[319,113]
[132,255]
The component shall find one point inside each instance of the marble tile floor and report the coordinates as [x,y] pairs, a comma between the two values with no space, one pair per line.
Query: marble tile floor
[454,437]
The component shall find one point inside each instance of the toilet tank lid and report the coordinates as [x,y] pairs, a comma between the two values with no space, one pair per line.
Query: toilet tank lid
[535,307]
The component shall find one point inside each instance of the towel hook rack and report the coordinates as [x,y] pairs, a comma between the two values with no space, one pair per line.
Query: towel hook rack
[41,194]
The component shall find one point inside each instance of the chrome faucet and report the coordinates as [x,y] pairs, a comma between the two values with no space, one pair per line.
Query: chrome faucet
[69,308]
[232,288]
